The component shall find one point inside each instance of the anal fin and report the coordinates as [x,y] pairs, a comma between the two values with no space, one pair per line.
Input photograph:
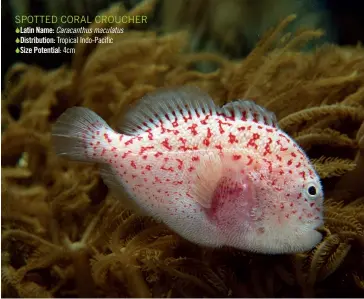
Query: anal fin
[117,188]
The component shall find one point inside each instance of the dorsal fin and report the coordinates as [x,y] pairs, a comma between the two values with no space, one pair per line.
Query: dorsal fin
[165,105]
[248,110]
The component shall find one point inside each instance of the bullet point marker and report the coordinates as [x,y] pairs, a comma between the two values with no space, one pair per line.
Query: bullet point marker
[17,50]
[17,40]
[17,30]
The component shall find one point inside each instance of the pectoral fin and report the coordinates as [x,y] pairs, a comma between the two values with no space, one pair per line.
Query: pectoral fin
[208,175]
[220,182]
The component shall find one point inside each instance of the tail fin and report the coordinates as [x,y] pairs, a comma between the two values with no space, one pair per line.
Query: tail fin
[75,132]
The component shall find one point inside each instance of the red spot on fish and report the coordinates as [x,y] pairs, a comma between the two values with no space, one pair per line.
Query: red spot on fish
[221,123]
[150,134]
[167,169]
[282,149]
[130,141]
[180,164]
[219,147]
[241,128]
[144,157]
[189,195]
[285,137]
[252,143]
[269,130]
[186,119]
[165,143]
[312,204]
[126,154]
[232,138]
[236,157]
[279,158]
[183,147]
[193,129]
[208,137]
[298,165]
[183,140]
[293,155]
[250,160]
[204,121]
[267,149]
[289,162]
[270,167]
[144,149]
[148,167]
[303,174]
[107,138]
[195,158]
[132,164]
[157,154]
[190,169]
[103,151]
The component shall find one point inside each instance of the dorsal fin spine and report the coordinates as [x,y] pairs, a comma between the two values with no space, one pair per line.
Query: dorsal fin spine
[166,105]
[246,110]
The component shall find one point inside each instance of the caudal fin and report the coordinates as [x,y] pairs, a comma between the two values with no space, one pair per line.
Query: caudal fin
[75,132]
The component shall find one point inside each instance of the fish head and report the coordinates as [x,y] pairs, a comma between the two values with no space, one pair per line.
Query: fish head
[288,209]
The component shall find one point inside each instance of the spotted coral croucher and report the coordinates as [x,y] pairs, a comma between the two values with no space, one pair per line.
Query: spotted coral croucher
[217,176]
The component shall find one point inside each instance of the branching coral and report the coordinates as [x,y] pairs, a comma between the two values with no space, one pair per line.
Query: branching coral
[64,235]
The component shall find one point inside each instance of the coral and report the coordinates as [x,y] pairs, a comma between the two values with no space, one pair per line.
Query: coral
[64,235]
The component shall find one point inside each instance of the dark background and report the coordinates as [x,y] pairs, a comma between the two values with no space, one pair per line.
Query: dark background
[347,19]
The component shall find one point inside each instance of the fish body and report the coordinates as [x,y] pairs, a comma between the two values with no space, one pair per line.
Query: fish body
[218,176]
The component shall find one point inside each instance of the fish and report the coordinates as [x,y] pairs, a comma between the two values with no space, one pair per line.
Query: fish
[218,176]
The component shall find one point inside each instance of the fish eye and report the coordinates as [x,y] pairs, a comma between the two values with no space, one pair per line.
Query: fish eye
[312,191]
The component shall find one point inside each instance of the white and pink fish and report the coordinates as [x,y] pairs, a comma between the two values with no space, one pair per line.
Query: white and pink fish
[217,176]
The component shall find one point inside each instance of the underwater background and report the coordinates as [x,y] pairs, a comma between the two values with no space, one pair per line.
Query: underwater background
[64,235]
